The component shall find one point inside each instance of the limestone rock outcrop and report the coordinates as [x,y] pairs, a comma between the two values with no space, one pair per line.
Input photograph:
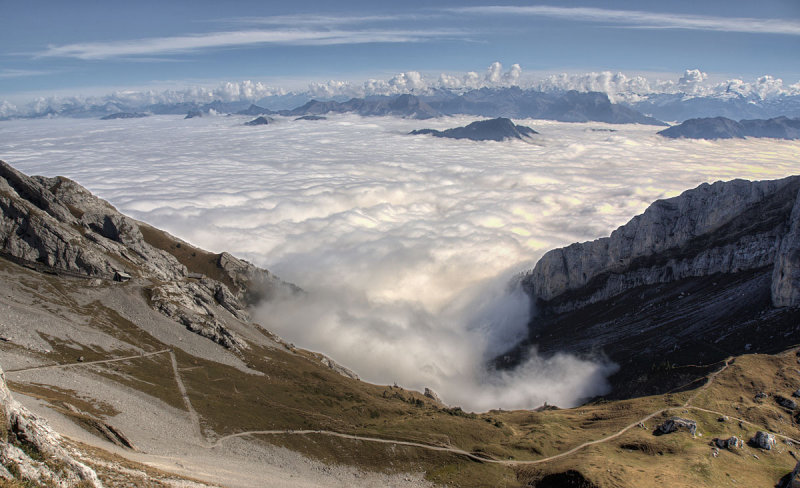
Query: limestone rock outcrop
[725,227]
[56,225]
[676,424]
[763,440]
[24,434]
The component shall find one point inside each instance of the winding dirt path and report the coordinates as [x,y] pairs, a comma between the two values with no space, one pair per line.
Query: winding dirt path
[86,363]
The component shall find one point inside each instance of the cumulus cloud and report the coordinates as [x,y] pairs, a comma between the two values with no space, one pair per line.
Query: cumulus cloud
[406,244]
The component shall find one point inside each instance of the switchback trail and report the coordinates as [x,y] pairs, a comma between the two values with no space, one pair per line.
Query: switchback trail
[86,363]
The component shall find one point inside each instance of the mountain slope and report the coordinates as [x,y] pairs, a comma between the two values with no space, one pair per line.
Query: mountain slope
[144,398]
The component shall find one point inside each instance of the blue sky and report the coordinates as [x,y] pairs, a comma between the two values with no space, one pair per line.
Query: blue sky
[84,46]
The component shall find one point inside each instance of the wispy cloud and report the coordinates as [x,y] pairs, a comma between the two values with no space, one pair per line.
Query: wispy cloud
[21,73]
[313,20]
[645,20]
[188,43]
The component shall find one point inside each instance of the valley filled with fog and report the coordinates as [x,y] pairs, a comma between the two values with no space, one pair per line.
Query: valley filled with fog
[405,244]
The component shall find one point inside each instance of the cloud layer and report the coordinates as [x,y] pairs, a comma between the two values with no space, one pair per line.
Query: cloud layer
[406,244]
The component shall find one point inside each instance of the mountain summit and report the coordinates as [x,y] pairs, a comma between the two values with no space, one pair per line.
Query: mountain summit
[499,129]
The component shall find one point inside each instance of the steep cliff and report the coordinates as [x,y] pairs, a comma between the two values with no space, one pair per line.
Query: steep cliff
[726,227]
[712,273]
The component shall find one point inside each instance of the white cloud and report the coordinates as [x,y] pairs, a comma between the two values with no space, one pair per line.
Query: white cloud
[216,40]
[645,20]
[405,243]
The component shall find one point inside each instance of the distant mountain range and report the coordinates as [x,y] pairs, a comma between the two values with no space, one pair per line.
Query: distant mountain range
[680,107]
[570,106]
[499,129]
[724,128]
[511,102]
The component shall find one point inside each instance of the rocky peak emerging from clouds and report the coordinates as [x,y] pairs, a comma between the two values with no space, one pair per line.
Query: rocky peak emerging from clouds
[499,129]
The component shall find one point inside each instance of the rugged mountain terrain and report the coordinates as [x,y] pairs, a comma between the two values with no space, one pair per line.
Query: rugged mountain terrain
[723,128]
[712,273]
[137,348]
[499,129]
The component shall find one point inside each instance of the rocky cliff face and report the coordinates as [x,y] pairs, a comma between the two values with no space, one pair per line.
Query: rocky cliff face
[721,228]
[56,225]
[712,273]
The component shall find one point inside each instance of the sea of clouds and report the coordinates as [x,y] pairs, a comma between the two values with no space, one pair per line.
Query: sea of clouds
[407,245]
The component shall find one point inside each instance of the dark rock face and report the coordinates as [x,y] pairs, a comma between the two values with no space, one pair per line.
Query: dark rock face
[260,121]
[498,129]
[124,115]
[693,280]
[311,117]
[193,113]
[724,128]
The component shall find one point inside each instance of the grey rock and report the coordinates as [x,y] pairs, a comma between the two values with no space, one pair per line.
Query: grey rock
[786,402]
[676,424]
[763,440]
[728,443]
[191,304]
[432,395]
[26,428]
[336,367]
